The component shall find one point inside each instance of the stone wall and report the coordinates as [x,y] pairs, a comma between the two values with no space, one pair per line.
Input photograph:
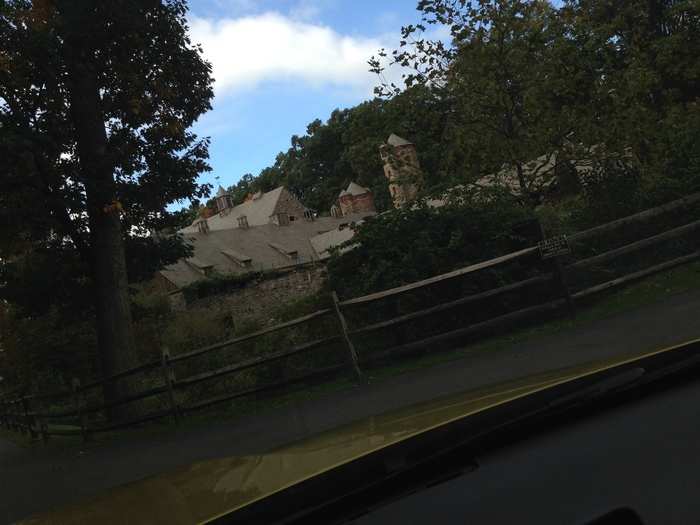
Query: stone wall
[363,203]
[290,205]
[402,169]
[260,298]
[357,203]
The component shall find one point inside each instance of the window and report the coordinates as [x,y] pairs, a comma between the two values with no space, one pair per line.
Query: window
[242,221]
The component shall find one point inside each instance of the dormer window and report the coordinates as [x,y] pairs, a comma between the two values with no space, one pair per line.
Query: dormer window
[289,253]
[242,221]
[282,219]
[239,258]
[200,266]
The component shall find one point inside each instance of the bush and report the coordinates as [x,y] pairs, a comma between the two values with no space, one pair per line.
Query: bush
[218,284]
[407,245]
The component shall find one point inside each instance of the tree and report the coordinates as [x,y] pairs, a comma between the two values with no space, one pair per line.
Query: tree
[512,84]
[648,79]
[345,148]
[96,99]
[408,244]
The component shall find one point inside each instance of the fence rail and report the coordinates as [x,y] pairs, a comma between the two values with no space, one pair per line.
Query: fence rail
[28,414]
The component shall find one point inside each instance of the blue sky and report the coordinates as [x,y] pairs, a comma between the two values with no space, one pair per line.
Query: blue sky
[279,64]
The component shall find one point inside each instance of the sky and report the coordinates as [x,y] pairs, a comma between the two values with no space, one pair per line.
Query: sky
[280,64]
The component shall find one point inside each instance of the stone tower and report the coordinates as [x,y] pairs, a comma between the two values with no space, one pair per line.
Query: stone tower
[356,199]
[402,169]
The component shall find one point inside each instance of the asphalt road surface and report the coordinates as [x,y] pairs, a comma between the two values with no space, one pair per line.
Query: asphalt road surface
[37,479]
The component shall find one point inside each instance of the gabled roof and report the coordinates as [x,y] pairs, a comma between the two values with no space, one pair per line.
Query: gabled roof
[257,212]
[202,265]
[356,189]
[395,140]
[221,192]
[240,250]
[323,242]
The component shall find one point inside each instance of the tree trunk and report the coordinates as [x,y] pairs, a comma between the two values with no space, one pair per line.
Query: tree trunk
[114,324]
[527,195]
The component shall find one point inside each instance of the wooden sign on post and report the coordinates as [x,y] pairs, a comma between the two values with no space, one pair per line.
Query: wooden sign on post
[554,247]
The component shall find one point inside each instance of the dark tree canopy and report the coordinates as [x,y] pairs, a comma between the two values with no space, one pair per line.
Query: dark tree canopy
[96,102]
[153,85]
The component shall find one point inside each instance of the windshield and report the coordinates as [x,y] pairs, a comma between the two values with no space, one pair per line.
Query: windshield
[229,228]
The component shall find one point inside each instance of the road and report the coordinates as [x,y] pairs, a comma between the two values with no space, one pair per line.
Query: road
[37,479]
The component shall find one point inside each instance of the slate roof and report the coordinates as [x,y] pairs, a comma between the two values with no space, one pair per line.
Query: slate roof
[325,241]
[259,243]
[356,189]
[395,140]
[539,173]
[257,211]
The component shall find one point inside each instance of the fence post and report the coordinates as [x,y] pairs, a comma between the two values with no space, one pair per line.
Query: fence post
[14,420]
[11,415]
[348,342]
[44,430]
[169,380]
[559,276]
[5,416]
[28,417]
[78,400]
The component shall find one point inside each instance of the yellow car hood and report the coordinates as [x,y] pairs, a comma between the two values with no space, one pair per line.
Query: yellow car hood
[207,490]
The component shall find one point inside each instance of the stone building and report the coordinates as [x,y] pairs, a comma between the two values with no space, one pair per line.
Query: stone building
[268,231]
[402,169]
[224,202]
[355,199]
[278,206]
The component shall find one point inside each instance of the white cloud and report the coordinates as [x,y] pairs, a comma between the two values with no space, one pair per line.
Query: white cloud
[251,50]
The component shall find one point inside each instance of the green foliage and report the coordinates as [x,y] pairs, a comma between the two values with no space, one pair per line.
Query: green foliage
[407,245]
[346,148]
[43,353]
[221,284]
[146,255]
[96,105]
[613,83]
[147,112]
[187,331]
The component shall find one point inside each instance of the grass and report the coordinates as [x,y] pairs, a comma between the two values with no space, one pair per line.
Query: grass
[647,291]
[21,440]
[641,293]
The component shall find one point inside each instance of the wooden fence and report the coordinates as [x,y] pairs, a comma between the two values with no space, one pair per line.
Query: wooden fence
[38,416]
